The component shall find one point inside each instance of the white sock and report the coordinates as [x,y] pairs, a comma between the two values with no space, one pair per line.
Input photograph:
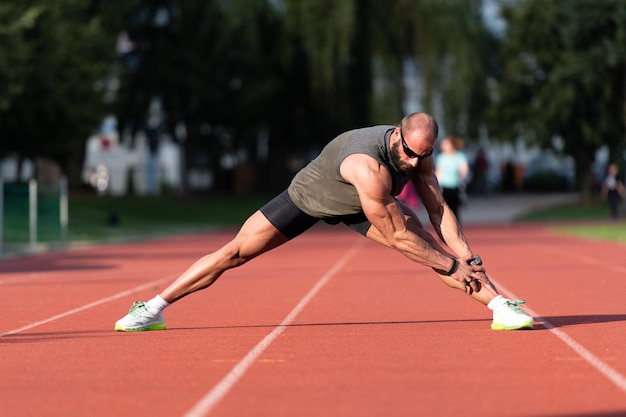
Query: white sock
[496,302]
[157,304]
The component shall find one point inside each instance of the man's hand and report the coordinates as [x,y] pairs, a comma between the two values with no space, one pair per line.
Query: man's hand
[471,276]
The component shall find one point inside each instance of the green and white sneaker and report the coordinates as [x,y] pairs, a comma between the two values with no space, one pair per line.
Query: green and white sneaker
[509,316]
[140,318]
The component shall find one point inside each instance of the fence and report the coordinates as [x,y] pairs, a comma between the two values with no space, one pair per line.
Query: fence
[31,215]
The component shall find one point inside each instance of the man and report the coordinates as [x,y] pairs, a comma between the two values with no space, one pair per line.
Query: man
[354,181]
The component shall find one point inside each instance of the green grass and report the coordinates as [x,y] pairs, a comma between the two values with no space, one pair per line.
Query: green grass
[90,217]
[593,210]
[139,216]
[154,216]
[589,220]
[612,232]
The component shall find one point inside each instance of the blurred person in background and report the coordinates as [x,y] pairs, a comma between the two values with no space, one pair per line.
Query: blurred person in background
[479,172]
[451,169]
[613,190]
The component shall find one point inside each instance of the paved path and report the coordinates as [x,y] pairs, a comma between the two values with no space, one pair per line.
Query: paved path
[505,208]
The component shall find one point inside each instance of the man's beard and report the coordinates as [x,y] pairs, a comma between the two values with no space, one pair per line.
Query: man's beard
[403,168]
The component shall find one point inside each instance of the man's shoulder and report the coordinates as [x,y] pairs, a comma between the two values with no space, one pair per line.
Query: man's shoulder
[382,128]
[372,137]
[376,129]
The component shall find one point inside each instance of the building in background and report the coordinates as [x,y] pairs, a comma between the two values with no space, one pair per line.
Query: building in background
[118,166]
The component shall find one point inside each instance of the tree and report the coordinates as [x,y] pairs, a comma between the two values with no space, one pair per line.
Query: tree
[298,72]
[370,41]
[563,75]
[58,53]
[450,44]
[15,21]
[217,68]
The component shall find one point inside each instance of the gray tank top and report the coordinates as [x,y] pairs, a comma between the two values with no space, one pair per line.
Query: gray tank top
[319,189]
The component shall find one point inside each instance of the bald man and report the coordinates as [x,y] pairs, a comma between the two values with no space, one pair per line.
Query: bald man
[354,181]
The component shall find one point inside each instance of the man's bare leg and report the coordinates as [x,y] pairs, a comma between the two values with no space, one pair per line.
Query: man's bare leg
[256,236]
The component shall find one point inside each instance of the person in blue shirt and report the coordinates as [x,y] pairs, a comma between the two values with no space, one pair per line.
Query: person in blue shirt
[451,169]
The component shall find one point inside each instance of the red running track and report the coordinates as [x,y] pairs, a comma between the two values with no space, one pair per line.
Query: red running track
[330,324]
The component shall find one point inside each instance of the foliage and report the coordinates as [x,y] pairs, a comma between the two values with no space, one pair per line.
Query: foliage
[327,45]
[452,47]
[546,182]
[14,23]
[298,72]
[55,55]
[563,66]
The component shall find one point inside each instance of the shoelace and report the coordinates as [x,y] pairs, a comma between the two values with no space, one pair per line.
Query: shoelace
[137,308]
[514,305]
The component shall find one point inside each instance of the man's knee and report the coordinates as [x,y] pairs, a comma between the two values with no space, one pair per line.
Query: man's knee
[230,256]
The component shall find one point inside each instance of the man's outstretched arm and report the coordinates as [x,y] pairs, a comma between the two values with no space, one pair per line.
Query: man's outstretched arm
[440,215]
[389,226]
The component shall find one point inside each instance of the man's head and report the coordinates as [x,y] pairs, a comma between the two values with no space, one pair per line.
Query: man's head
[413,141]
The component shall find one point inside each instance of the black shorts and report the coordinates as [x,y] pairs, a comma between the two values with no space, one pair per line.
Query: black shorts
[291,221]
[286,216]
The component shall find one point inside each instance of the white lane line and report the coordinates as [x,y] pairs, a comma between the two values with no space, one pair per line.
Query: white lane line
[615,377]
[618,379]
[219,391]
[87,306]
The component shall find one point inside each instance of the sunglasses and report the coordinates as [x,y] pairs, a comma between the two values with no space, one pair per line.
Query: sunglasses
[410,152]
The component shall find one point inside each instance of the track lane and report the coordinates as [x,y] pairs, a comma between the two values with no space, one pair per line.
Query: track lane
[381,336]
[409,344]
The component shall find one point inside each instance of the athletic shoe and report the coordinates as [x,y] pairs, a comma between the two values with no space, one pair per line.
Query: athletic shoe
[140,318]
[508,316]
